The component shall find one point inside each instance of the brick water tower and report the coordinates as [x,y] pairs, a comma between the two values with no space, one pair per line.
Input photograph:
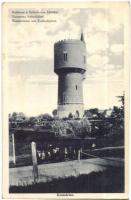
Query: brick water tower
[70,66]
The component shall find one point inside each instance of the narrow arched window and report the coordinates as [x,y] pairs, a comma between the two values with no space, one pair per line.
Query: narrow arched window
[76,87]
[65,56]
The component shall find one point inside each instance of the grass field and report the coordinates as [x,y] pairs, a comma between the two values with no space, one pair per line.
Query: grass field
[109,181]
[20,176]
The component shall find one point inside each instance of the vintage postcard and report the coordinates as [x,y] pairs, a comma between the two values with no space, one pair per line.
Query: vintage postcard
[65,100]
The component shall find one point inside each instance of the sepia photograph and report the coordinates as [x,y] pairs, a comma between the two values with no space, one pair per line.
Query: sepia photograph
[65,100]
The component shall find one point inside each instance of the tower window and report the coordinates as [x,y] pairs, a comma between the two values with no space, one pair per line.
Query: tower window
[65,56]
[84,59]
[76,87]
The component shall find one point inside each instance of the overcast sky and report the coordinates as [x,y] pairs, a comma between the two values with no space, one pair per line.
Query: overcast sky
[32,81]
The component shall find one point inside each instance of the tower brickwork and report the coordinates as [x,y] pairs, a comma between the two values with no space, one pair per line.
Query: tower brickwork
[70,66]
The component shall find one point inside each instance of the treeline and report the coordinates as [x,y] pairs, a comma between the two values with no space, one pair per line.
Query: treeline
[95,122]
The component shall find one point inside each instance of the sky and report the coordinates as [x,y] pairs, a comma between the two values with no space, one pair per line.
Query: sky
[33,84]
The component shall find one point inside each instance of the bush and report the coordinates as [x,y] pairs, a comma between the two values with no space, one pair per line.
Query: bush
[62,128]
[79,128]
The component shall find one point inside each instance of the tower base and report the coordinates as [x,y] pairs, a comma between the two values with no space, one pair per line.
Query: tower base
[70,110]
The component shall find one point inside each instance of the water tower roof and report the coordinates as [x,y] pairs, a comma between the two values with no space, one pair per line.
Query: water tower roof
[69,41]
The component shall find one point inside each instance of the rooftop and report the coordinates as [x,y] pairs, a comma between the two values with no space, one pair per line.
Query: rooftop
[69,41]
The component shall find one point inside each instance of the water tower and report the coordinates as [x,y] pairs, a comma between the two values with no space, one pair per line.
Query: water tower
[70,66]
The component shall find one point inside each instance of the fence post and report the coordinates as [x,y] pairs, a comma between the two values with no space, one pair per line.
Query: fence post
[34,160]
[65,153]
[79,154]
[13,143]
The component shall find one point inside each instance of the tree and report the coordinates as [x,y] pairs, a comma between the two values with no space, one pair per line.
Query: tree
[70,116]
[45,116]
[54,112]
[122,100]
[21,115]
[14,115]
[77,114]
[118,112]
[94,112]
[17,116]
[88,114]
[115,112]
[32,120]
